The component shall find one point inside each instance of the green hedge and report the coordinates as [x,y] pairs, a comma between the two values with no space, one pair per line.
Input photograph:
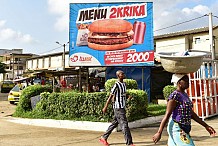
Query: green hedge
[137,106]
[24,104]
[130,84]
[167,90]
[88,106]
[79,106]
[72,105]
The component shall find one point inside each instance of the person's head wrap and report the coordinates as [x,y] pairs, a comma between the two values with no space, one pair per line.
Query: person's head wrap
[176,77]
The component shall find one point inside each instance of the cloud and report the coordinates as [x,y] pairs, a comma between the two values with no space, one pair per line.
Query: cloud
[197,9]
[25,38]
[2,23]
[7,34]
[62,23]
[167,15]
[10,35]
[61,9]
[214,10]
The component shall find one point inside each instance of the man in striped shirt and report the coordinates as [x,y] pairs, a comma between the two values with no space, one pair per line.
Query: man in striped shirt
[118,97]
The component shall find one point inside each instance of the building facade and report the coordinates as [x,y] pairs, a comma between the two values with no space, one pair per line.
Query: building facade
[15,61]
[190,40]
[48,62]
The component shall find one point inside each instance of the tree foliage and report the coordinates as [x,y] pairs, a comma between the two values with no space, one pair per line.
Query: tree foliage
[2,67]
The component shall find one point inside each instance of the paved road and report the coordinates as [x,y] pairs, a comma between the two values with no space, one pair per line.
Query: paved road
[3,96]
[12,134]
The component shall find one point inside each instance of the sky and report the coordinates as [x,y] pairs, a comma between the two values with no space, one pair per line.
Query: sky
[36,25]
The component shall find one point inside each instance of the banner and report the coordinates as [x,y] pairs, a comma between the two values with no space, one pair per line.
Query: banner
[111,34]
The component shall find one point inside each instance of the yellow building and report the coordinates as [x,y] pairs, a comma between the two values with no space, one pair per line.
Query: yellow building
[15,64]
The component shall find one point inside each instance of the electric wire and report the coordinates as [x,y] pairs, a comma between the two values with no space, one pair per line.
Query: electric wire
[53,49]
[154,30]
[180,23]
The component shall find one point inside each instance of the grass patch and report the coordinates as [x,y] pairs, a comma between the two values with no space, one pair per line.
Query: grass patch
[156,109]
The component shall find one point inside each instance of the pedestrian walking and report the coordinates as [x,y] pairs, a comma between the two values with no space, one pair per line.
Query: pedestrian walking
[118,97]
[179,114]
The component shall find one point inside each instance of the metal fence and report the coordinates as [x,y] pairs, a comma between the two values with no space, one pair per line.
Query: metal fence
[203,89]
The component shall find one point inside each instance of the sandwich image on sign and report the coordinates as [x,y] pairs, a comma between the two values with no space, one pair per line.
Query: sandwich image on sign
[110,34]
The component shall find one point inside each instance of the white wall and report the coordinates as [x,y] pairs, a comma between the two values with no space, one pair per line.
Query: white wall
[56,61]
[40,63]
[176,44]
[29,64]
[46,62]
[201,42]
[34,64]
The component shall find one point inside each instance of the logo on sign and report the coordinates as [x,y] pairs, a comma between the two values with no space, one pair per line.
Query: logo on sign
[74,58]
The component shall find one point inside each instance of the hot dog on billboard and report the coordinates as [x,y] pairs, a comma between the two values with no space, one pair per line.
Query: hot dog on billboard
[110,34]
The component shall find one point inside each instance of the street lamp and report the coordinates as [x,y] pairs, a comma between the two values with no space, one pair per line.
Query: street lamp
[63,57]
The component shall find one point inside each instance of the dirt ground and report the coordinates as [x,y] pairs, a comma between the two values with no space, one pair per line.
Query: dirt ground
[12,134]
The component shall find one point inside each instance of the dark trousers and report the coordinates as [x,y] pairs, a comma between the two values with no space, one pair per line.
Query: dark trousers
[120,118]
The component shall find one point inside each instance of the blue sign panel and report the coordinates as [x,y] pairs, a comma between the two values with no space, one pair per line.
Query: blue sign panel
[111,34]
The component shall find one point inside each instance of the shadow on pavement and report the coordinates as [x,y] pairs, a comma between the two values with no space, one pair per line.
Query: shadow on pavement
[143,143]
[203,138]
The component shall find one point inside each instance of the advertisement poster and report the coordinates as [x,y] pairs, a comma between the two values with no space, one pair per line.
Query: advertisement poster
[111,34]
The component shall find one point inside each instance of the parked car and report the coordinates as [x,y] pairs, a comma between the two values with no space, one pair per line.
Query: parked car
[6,85]
[37,81]
[14,94]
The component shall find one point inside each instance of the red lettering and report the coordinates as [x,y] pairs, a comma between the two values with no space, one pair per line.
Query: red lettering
[85,58]
[113,13]
[135,11]
[128,11]
[142,10]
[120,12]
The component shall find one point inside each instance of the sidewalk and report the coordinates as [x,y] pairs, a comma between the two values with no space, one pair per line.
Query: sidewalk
[141,136]
[83,125]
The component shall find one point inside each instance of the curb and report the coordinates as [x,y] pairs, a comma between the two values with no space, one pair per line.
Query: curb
[145,122]
[83,125]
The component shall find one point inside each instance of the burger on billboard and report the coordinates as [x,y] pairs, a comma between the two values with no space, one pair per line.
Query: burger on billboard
[112,37]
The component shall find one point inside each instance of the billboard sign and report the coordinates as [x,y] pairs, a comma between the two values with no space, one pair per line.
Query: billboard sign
[111,34]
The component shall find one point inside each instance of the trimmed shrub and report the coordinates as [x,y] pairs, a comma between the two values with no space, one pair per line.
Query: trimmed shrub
[136,106]
[86,106]
[167,90]
[78,106]
[73,105]
[130,84]
[24,103]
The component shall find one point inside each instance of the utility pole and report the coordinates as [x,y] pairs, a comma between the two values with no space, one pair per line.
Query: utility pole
[63,57]
[13,66]
[211,36]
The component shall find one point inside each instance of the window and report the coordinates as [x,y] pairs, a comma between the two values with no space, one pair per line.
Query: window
[197,40]
[17,59]
[20,67]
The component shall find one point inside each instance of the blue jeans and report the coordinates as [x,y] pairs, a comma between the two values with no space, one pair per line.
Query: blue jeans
[177,137]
